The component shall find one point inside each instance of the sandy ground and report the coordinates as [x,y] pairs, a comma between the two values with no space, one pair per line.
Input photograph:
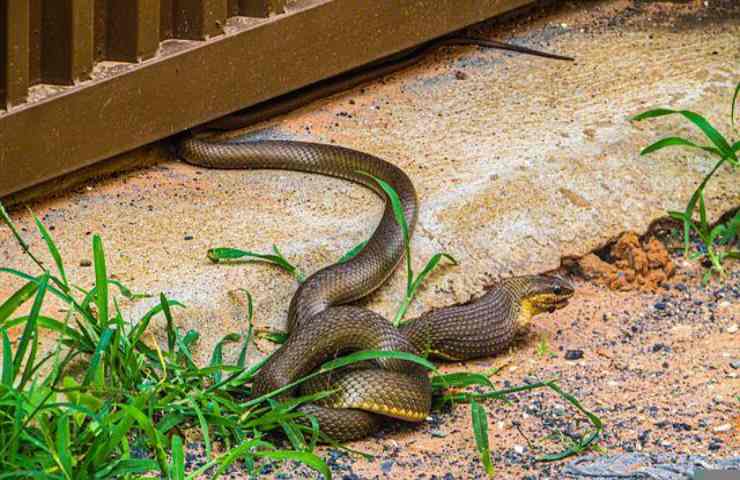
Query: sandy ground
[519,162]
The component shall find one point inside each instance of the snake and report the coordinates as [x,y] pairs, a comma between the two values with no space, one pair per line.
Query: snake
[322,322]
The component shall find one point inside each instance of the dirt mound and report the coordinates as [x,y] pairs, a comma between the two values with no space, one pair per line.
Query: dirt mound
[630,264]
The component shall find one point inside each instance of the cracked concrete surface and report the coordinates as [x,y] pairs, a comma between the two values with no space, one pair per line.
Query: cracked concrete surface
[518,161]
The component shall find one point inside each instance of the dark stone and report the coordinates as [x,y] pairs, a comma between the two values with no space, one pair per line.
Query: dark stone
[714,446]
[644,436]
[680,426]
[574,354]
[188,237]
[85,263]
[660,306]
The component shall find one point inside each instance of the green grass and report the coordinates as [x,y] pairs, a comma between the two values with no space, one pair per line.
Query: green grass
[112,401]
[717,241]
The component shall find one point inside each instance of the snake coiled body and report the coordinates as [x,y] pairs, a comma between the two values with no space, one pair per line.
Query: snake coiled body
[321,326]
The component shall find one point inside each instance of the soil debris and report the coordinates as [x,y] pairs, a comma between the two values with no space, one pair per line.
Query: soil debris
[631,264]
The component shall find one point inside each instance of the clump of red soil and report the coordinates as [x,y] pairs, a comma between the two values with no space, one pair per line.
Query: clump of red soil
[632,264]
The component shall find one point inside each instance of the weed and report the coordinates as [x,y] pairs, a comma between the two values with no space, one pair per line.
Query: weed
[126,414]
[726,151]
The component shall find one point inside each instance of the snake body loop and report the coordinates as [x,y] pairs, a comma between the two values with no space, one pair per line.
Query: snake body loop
[320,326]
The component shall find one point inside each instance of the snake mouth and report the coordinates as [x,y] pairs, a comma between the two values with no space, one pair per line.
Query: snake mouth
[552,304]
[557,305]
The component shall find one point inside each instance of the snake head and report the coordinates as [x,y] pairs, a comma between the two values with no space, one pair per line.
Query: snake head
[547,294]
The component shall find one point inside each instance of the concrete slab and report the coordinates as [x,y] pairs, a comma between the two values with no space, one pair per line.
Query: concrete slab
[518,162]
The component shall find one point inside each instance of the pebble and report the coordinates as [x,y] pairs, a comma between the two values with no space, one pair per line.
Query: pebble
[386,466]
[519,449]
[725,427]
[732,328]
[574,354]
[735,364]
[714,446]
[188,237]
[660,306]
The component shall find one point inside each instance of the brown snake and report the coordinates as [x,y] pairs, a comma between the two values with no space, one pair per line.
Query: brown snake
[321,327]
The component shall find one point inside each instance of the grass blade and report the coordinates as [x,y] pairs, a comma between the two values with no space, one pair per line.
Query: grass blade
[8,371]
[30,332]
[732,110]
[306,458]
[171,331]
[353,252]
[585,442]
[53,250]
[63,445]
[217,355]
[101,281]
[480,430]
[178,459]
[460,380]
[700,122]
[95,369]
[361,356]
[217,255]
[16,300]
[676,141]
[400,219]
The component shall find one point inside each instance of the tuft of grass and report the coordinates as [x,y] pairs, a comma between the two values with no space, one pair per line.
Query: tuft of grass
[121,416]
[727,152]
[125,414]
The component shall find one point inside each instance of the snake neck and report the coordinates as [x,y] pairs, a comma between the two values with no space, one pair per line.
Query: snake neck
[481,327]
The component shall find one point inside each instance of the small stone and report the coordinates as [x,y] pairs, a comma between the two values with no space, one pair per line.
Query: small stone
[460,75]
[735,364]
[85,263]
[714,446]
[680,426]
[574,354]
[725,427]
[519,449]
[188,237]
[644,436]
[660,306]
[732,328]
[386,466]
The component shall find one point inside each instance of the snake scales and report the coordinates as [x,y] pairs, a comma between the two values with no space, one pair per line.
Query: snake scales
[321,326]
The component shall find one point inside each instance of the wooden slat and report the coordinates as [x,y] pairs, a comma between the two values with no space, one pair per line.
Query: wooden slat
[261,8]
[67,40]
[133,29]
[35,41]
[14,51]
[166,19]
[199,19]
[232,8]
